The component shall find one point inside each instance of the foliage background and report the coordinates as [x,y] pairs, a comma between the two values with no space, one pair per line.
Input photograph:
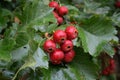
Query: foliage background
[23,24]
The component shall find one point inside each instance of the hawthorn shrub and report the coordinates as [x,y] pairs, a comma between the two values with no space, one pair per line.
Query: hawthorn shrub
[59,39]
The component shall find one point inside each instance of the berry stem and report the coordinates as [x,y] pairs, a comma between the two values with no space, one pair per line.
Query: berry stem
[59,2]
[48,36]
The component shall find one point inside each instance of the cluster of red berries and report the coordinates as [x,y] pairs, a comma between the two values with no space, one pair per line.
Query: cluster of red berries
[59,11]
[110,68]
[60,47]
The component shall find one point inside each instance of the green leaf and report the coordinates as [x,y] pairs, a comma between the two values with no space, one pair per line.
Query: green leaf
[95,33]
[6,46]
[85,65]
[22,39]
[41,59]
[20,53]
[36,14]
[116,18]
[4,17]
[109,77]
[61,74]
[95,7]
[109,49]
[34,60]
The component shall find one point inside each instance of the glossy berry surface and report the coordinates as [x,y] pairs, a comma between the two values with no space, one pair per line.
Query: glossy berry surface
[49,46]
[69,56]
[53,4]
[59,20]
[63,10]
[57,55]
[59,36]
[117,4]
[71,32]
[67,46]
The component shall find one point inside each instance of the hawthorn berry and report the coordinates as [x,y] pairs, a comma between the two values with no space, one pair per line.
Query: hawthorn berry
[112,64]
[69,56]
[105,72]
[117,4]
[59,20]
[55,14]
[53,4]
[71,32]
[67,46]
[49,46]
[59,36]
[110,68]
[63,10]
[112,61]
[57,55]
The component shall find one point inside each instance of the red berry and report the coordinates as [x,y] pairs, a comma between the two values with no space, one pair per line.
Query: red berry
[59,20]
[57,55]
[112,62]
[67,46]
[55,14]
[71,32]
[69,56]
[53,4]
[108,69]
[117,4]
[105,72]
[62,10]
[49,46]
[112,67]
[59,36]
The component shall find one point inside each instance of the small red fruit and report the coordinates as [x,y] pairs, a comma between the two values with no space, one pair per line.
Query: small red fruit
[59,36]
[69,56]
[112,68]
[57,55]
[59,20]
[55,14]
[63,10]
[67,46]
[117,4]
[112,65]
[112,61]
[71,32]
[105,72]
[49,46]
[53,4]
